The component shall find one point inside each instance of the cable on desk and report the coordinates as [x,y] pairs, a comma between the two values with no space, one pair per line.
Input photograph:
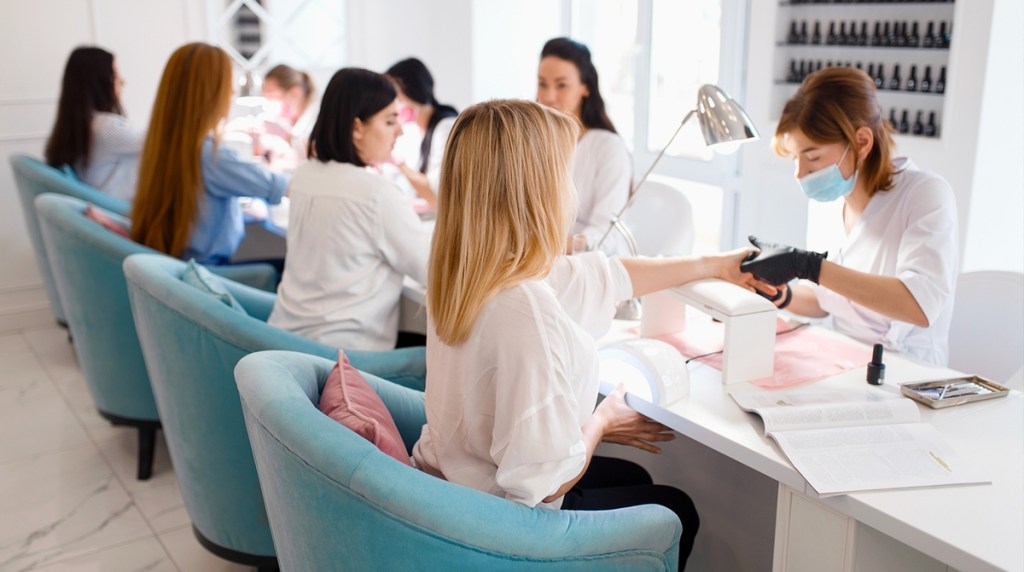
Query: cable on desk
[777,334]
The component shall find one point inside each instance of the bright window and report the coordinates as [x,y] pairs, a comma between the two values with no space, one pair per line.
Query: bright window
[652,56]
[685,40]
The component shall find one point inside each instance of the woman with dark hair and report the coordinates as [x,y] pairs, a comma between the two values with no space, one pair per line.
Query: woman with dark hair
[434,119]
[352,234]
[91,134]
[892,280]
[603,169]
[187,201]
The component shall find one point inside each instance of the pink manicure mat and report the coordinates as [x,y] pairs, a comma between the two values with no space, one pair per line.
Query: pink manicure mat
[801,355]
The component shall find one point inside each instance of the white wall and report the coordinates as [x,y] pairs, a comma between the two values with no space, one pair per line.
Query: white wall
[507,39]
[475,49]
[36,38]
[996,215]
[438,32]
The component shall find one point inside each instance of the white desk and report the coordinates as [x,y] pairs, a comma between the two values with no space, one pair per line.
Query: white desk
[978,527]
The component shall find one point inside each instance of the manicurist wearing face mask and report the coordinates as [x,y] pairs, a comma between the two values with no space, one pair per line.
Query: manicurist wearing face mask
[893,278]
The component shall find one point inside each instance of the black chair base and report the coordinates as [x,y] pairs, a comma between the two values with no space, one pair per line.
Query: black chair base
[147,441]
[262,563]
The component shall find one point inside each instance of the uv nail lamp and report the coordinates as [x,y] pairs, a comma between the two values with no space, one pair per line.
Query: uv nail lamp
[650,369]
[749,320]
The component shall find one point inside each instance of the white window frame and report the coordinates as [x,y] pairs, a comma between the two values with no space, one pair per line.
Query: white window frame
[722,170]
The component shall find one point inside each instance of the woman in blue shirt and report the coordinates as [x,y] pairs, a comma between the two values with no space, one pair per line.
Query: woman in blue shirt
[187,199]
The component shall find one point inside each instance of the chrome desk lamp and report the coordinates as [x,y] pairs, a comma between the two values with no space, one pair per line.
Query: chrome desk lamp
[724,125]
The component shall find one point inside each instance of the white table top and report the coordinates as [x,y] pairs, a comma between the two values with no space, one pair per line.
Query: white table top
[974,527]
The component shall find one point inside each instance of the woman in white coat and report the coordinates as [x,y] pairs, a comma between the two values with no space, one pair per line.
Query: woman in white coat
[603,169]
[892,280]
[512,382]
[352,235]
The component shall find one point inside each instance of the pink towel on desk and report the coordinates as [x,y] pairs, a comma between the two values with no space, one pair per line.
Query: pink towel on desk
[801,355]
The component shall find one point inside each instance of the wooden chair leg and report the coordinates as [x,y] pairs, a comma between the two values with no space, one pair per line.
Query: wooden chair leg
[147,447]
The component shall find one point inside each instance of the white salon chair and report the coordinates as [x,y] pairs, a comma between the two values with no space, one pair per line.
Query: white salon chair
[661,220]
[987,333]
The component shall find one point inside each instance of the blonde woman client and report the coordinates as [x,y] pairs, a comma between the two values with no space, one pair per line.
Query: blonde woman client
[513,380]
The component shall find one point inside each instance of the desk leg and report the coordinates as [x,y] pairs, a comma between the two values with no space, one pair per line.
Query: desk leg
[814,537]
[811,536]
[412,316]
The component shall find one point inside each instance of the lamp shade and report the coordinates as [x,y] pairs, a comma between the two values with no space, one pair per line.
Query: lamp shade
[722,120]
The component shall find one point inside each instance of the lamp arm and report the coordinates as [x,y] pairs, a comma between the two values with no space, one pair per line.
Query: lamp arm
[633,190]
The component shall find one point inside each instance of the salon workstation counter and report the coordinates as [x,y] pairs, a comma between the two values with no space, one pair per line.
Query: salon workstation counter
[972,527]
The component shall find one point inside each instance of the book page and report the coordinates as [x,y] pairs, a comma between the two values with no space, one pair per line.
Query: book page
[763,399]
[852,459]
[788,411]
[883,412]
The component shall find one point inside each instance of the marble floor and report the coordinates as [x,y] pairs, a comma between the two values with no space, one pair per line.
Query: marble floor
[69,499]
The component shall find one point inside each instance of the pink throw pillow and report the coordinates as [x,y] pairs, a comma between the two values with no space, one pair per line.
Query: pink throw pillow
[350,400]
[106,221]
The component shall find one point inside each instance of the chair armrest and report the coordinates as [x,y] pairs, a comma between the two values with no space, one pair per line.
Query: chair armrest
[257,275]
[406,366]
[258,303]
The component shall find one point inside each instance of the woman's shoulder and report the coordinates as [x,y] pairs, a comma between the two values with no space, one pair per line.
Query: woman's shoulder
[340,179]
[916,185]
[106,122]
[525,303]
[602,142]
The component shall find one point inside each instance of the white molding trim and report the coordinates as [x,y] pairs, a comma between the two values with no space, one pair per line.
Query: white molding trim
[24,137]
[24,307]
[32,100]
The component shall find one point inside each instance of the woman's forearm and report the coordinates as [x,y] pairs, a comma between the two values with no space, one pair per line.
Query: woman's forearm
[886,295]
[805,303]
[653,274]
[420,184]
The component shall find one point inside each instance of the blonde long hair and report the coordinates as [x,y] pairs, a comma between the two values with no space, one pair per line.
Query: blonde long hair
[194,95]
[506,205]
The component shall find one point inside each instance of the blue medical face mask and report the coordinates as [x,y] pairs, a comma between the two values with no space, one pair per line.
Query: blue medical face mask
[826,185]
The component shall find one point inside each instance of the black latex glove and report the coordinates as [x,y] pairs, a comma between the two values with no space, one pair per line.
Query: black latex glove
[777,264]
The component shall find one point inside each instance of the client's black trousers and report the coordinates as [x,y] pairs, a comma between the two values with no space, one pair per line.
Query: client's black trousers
[614,483]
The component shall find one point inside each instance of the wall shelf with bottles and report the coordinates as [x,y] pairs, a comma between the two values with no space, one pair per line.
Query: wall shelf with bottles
[903,45]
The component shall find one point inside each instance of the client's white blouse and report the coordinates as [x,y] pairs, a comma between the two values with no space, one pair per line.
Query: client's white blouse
[352,237]
[505,408]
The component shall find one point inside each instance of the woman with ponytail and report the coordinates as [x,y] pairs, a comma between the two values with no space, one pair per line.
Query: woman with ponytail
[434,119]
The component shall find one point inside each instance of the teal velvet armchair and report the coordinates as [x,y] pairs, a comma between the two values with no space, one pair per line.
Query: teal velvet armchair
[337,502]
[33,178]
[192,341]
[85,262]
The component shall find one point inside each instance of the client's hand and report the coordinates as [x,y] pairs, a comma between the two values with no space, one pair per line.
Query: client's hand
[623,425]
[730,270]
[777,264]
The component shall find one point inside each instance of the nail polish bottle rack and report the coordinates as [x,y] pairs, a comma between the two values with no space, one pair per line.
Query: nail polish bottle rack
[816,34]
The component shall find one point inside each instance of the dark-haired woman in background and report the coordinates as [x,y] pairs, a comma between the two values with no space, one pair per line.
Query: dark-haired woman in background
[352,234]
[91,133]
[603,168]
[435,120]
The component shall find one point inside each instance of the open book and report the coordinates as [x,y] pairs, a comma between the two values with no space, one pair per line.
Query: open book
[845,442]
